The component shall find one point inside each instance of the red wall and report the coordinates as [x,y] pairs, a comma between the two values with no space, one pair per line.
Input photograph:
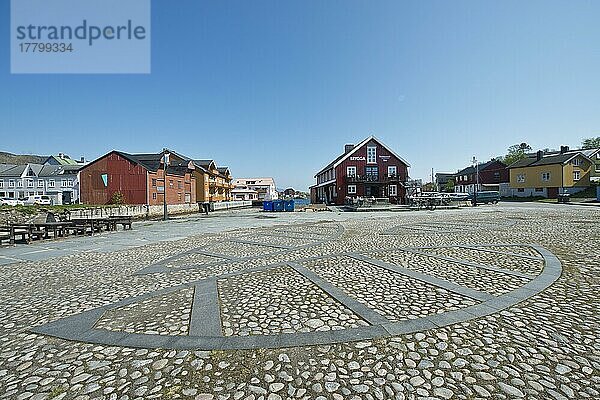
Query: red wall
[175,194]
[340,171]
[122,176]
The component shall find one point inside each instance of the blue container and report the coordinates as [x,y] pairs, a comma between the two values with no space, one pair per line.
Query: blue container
[288,205]
[278,205]
[268,206]
[598,193]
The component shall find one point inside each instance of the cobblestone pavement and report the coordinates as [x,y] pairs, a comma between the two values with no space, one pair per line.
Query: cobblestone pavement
[457,304]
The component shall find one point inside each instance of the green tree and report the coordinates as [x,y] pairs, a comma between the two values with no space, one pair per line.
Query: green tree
[117,198]
[450,186]
[516,152]
[591,143]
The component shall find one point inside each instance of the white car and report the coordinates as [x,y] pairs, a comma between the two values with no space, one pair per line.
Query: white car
[38,200]
[7,201]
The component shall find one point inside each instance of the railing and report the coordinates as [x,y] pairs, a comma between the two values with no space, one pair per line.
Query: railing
[374,178]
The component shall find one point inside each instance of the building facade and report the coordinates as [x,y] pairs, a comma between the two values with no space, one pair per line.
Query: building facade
[244,194]
[59,182]
[368,169]
[549,174]
[493,175]
[138,179]
[213,184]
[264,187]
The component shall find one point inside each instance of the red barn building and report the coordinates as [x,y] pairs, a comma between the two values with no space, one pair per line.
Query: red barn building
[368,169]
[492,175]
[139,178]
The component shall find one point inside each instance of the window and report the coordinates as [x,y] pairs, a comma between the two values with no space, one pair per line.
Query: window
[371,155]
[29,183]
[40,183]
[351,189]
[372,173]
[520,190]
[20,183]
[545,176]
[392,171]
[170,182]
[576,175]
[51,183]
[70,181]
[63,183]
[11,183]
[1,183]
[393,190]
[521,178]
[153,195]
[179,185]
[539,189]
[351,171]
[496,175]
[577,161]
[153,182]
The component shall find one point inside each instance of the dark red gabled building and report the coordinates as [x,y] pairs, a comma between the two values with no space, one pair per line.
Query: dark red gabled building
[368,169]
[492,175]
[139,178]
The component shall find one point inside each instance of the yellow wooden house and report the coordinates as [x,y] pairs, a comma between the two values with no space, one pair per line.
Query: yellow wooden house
[548,174]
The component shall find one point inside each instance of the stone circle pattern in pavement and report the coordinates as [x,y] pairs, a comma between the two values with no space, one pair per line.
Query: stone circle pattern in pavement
[246,291]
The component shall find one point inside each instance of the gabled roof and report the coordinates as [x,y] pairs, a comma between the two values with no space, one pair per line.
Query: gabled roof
[344,156]
[13,170]
[62,160]
[471,169]
[152,161]
[206,164]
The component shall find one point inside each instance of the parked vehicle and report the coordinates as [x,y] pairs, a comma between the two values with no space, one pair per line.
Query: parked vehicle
[485,197]
[458,196]
[38,200]
[7,201]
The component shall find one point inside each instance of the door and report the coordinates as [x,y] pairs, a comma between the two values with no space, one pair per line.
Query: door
[66,198]
[553,193]
[372,191]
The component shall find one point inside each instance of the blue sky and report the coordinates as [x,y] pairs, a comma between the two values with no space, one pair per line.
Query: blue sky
[275,88]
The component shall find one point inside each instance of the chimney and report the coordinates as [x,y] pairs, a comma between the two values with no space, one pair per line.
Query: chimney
[348,148]
[540,154]
[564,149]
[82,160]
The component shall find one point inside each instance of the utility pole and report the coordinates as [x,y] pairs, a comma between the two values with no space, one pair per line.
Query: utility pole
[165,165]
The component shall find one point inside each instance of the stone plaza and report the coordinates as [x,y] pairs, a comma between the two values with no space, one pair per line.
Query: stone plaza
[496,302]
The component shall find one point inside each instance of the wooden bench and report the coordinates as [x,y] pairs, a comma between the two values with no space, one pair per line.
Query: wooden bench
[124,220]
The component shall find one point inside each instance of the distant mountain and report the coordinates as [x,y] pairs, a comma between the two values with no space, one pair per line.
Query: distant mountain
[20,159]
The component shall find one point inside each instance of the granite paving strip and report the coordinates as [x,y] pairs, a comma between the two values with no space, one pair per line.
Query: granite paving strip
[501,252]
[465,262]
[453,287]
[372,317]
[206,313]
[261,244]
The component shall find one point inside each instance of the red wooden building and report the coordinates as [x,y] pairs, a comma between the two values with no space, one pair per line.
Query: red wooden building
[368,169]
[492,175]
[139,178]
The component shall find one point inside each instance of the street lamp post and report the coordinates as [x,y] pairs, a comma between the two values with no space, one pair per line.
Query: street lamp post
[165,165]
[476,164]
